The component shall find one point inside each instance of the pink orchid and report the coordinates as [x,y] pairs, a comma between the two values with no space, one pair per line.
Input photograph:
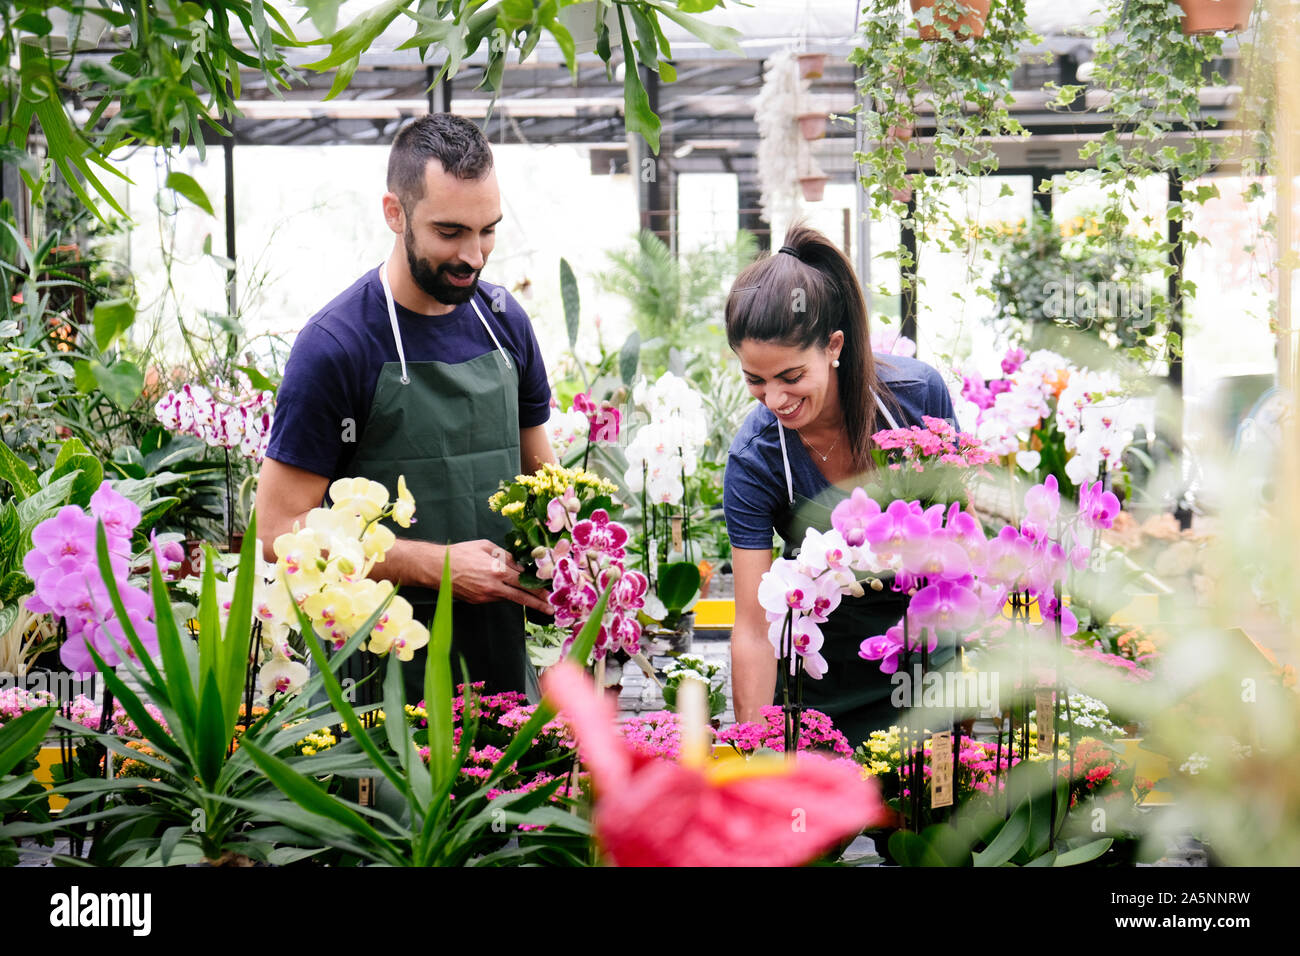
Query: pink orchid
[885,648]
[1097,508]
[598,533]
[851,516]
[944,606]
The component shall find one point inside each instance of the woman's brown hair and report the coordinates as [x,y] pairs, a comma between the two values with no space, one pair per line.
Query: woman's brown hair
[798,298]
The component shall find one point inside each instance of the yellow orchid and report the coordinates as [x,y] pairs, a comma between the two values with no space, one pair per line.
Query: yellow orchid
[404,508]
[377,540]
[359,496]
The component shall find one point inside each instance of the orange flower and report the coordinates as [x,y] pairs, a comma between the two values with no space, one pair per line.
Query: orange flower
[1057,381]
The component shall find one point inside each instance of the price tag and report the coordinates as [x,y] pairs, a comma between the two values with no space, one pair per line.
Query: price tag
[941,769]
[1045,718]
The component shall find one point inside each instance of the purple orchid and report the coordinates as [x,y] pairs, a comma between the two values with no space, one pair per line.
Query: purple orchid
[598,533]
[1097,508]
[852,515]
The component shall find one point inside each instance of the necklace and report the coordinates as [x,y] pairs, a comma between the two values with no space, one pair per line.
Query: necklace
[824,457]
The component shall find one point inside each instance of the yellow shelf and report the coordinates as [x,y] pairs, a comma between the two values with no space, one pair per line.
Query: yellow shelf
[44,774]
[714,614]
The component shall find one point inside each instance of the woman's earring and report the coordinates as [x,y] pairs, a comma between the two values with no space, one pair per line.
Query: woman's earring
[835,363]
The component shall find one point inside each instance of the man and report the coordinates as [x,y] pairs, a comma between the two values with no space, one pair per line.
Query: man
[420,369]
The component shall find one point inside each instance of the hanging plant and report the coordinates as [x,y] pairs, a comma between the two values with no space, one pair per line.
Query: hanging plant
[955,96]
[951,19]
[1154,74]
[1215,16]
[783,154]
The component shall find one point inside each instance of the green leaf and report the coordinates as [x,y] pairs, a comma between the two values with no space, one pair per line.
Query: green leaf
[307,794]
[14,585]
[34,23]
[678,583]
[638,117]
[911,849]
[210,742]
[112,318]
[16,471]
[629,357]
[121,383]
[720,38]
[1010,838]
[188,187]
[20,737]
[258,380]
[8,614]
[1083,854]
[437,684]
[569,293]
[54,495]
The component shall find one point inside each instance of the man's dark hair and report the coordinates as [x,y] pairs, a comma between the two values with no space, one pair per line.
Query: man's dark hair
[453,140]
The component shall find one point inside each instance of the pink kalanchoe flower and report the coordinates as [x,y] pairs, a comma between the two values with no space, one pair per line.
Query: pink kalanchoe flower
[850,517]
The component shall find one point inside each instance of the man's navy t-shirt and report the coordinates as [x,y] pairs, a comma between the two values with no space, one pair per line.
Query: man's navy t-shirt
[334,366]
[754,491]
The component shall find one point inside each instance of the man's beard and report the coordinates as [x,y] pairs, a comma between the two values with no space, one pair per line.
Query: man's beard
[432,281]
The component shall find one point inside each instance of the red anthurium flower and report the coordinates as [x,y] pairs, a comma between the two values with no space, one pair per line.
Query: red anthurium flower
[757,812]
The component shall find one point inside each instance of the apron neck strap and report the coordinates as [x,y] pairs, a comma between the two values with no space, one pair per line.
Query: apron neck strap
[392,318]
[785,455]
[397,334]
[495,341]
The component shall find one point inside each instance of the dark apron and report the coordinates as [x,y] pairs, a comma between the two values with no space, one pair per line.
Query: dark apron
[854,692]
[453,431]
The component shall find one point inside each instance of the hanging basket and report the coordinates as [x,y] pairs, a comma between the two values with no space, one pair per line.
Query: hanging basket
[977,11]
[811,65]
[899,134]
[812,125]
[1215,16]
[813,187]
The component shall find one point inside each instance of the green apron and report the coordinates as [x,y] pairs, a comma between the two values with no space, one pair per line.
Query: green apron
[854,692]
[453,431]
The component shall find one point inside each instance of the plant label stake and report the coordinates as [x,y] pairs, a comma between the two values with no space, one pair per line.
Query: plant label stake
[941,769]
[1045,704]
[365,791]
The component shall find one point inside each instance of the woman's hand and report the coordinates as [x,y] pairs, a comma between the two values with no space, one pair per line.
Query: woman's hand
[753,660]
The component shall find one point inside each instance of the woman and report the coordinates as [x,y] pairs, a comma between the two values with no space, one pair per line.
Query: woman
[797,321]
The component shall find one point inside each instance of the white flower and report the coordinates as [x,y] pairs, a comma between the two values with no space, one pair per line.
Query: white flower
[282,676]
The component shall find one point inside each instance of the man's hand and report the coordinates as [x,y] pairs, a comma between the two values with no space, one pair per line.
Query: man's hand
[482,571]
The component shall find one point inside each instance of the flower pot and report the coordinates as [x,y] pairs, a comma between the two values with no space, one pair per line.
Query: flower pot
[1213,16]
[580,20]
[977,12]
[812,125]
[813,187]
[671,642]
[811,65]
[899,134]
